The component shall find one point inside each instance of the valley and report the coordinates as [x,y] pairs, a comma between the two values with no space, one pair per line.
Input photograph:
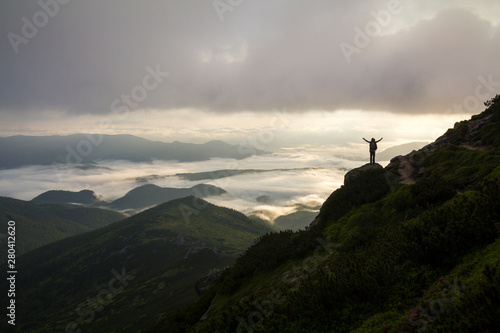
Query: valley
[175,256]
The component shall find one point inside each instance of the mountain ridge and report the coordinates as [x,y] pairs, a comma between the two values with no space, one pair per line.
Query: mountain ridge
[85,197]
[159,254]
[137,199]
[85,148]
[43,223]
[383,254]
[403,149]
[149,195]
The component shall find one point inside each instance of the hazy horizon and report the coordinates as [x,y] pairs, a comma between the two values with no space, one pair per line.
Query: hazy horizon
[304,177]
[343,130]
[303,80]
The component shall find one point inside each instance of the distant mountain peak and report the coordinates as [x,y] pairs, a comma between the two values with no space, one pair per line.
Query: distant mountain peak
[47,150]
[163,251]
[85,197]
[149,195]
[216,142]
[403,149]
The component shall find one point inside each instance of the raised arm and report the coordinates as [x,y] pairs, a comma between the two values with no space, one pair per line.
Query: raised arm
[366,140]
[379,140]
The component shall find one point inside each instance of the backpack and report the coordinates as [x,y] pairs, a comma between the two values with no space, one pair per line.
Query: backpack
[373,145]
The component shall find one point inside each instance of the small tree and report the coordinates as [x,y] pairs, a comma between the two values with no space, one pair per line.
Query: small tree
[492,101]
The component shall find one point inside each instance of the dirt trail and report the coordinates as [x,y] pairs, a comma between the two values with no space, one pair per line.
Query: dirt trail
[410,167]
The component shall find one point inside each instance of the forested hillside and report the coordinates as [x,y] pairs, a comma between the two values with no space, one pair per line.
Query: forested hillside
[40,224]
[126,276]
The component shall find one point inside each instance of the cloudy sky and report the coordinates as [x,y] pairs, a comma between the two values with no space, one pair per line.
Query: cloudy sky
[195,70]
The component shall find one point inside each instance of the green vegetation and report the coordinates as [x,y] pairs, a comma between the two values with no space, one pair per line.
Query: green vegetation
[462,168]
[405,258]
[158,254]
[85,197]
[458,132]
[40,224]
[490,134]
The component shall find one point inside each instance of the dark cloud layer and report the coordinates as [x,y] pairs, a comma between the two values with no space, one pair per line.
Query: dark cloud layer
[263,55]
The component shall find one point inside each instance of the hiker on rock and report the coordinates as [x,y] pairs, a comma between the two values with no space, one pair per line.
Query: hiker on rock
[373,147]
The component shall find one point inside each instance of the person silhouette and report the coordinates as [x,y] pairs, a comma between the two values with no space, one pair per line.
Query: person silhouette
[373,147]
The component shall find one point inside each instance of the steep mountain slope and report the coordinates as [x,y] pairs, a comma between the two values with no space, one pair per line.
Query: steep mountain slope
[40,224]
[382,256]
[125,276]
[88,148]
[151,195]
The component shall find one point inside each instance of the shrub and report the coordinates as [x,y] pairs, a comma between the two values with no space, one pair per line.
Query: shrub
[431,191]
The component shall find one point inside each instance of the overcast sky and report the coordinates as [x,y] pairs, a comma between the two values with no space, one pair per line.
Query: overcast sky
[66,64]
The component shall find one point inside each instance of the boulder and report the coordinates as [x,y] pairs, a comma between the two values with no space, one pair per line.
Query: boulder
[357,171]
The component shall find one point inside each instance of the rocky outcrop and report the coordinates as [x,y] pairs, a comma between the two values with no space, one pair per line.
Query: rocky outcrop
[357,171]
[205,283]
[409,167]
[464,134]
[313,223]
[350,178]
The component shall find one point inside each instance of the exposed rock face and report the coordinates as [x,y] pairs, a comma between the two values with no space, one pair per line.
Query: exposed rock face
[356,172]
[313,223]
[474,126]
[205,283]
[349,177]
[464,136]
[409,167]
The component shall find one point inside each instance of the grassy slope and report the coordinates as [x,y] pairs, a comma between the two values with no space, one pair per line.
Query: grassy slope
[56,279]
[397,258]
[40,224]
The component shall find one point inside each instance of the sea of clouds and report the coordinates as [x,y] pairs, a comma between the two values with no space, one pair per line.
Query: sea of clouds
[292,177]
